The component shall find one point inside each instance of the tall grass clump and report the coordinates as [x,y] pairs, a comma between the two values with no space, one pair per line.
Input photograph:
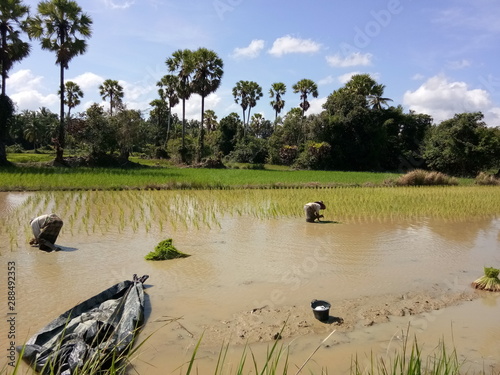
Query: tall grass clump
[420,177]
[486,179]
[408,360]
[489,281]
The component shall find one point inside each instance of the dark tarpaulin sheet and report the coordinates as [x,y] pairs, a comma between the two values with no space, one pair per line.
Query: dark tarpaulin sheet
[100,327]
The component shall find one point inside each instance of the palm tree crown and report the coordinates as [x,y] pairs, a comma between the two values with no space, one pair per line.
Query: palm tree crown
[61,27]
[12,48]
[207,76]
[276,92]
[114,91]
[182,63]
[305,87]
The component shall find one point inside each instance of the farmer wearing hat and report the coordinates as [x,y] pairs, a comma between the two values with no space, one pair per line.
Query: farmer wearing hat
[312,211]
[45,230]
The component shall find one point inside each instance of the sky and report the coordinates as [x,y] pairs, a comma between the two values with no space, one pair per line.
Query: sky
[434,57]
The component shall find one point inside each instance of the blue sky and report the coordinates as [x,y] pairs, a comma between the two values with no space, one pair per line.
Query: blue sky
[435,57]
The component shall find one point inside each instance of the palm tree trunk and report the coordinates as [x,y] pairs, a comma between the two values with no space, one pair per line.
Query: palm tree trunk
[168,126]
[60,136]
[202,131]
[4,58]
[183,151]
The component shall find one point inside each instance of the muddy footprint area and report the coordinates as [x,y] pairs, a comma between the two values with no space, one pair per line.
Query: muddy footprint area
[266,324]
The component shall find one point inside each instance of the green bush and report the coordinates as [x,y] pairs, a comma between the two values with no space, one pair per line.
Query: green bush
[165,250]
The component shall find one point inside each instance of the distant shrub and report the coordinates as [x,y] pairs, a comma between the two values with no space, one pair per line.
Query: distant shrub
[486,179]
[165,250]
[257,166]
[14,149]
[419,177]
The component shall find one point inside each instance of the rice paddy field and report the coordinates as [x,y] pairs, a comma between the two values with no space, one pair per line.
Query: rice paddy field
[104,211]
[251,248]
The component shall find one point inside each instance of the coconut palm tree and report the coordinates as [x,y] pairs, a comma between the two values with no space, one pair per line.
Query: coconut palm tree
[168,86]
[207,76]
[375,99]
[61,27]
[182,63]
[277,90]
[114,91]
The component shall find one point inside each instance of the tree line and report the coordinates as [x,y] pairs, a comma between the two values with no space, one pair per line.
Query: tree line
[357,129]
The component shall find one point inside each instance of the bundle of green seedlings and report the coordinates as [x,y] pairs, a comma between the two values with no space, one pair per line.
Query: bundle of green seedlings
[165,250]
[489,281]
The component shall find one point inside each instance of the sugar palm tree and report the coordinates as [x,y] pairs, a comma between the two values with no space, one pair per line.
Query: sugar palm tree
[73,95]
[254,94]
[247,93]
[168,86]
[240,94]
[207,76]
[305,87]
[210,120]
[277,90]
[182,63]
[112,90]
[12,49]
[13,16]
[61,27]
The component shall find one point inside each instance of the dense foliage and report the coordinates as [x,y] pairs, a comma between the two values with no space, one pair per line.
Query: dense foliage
[356,131]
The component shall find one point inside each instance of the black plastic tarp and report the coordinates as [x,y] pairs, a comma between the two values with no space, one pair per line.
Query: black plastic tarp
[96,330]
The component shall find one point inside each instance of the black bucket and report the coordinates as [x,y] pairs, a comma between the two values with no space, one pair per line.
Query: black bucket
[321,310]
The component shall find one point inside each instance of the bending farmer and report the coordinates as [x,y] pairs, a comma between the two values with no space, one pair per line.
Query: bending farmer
[312,211]
[46,229]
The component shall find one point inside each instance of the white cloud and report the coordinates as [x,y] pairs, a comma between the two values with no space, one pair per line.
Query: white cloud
[442,99]
[344,78]
[316,106]
[193,106]
[354,59]
[34,100]
[26,91]
[251,52]
[326,81]
[118,4]
[288,44]
[88,81]
[24,80]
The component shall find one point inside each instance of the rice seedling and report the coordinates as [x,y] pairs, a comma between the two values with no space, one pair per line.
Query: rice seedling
[165,250]
[489,281]
[160,210]
[409,361]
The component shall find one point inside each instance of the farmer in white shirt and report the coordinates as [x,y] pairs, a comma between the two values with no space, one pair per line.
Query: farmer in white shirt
[45,230]
[312,211]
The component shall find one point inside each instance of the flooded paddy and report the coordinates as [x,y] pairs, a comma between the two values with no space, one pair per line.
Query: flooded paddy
[254,268]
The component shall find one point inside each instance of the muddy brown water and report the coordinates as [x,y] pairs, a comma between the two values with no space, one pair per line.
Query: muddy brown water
[245,266]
